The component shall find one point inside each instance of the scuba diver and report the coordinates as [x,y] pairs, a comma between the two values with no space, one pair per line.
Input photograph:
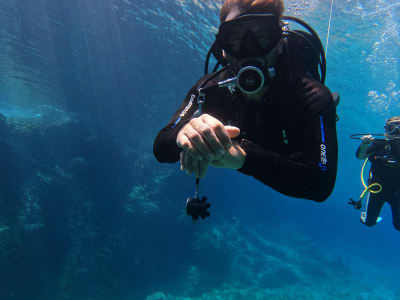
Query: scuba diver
[266,113]
[383,181]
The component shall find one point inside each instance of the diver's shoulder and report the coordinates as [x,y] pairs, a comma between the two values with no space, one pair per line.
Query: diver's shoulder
[206,80]
[298,80]
[213,78]
[379,143]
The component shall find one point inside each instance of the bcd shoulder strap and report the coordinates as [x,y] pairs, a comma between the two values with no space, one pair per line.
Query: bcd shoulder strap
[300,54]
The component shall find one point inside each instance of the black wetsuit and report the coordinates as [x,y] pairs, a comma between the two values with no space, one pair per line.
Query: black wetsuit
[385,169]
[290,138]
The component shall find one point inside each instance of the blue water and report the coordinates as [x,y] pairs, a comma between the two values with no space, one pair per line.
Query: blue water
[87,213]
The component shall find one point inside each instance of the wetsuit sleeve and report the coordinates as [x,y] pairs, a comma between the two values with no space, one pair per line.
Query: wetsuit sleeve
[372,149]
[365,150]
[165,148]
[309,171]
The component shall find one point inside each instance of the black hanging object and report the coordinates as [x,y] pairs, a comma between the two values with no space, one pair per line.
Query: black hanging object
[196,207]
[356,204]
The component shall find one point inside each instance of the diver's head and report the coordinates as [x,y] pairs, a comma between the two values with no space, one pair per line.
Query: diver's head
[249,35]
[392,128]
[250,28]
[241,7]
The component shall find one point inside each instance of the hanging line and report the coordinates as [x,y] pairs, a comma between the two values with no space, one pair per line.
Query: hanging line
[329,29]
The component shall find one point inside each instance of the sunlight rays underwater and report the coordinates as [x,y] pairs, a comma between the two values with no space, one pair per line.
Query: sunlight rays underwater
[87,213]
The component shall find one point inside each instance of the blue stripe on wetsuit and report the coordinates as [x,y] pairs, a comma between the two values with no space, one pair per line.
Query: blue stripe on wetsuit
[321,121]
[176,122]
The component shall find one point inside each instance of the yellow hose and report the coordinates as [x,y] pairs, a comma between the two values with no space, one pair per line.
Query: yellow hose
[369,188]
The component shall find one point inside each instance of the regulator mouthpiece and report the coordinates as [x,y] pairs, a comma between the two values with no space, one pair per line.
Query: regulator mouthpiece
[250,80]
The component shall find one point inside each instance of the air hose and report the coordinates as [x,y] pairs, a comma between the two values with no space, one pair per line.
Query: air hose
[370,187]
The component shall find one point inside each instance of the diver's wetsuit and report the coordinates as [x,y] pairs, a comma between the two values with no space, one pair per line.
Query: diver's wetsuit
[291,144]
[384,156]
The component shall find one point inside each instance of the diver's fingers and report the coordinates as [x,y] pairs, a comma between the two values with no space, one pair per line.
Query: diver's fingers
[184,142]
[182,160]
[232,131]
[216,149]
[203,166]
[307,85]
[198,147]
[193,165]
[199,168]
[367,138]
[219,130]
[188,163]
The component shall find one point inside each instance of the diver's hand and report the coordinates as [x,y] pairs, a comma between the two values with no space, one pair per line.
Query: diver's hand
[192,165]
[367,139]
[316,97]
[356,204]
[234,158]
[206,138]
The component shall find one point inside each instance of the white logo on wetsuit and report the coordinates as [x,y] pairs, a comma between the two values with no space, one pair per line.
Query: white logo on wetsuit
[183,113]
[324,160]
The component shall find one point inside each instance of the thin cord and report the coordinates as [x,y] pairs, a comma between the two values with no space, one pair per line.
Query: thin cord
[329,29]
[196,188]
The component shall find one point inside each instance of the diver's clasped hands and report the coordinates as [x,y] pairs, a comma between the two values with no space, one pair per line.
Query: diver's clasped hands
[206,141]
[367,139]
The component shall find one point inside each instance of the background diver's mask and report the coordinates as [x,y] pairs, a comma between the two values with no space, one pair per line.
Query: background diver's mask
[245,38]
[393,128]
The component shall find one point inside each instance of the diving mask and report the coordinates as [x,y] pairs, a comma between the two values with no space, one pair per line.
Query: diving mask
[249,35]
[393,128]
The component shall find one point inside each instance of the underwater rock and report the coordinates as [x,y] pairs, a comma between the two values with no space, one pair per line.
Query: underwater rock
[3,125]
[281,276]
[157,296]
[3,118]
[3,228]
[140,200]
[38,117]
[14,264]
[338,265]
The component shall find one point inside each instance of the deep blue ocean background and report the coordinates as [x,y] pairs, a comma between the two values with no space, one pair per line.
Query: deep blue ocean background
[87,213]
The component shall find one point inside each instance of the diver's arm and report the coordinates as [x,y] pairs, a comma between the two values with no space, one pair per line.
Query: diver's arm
[308,173]
[364,150]
[165,148]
